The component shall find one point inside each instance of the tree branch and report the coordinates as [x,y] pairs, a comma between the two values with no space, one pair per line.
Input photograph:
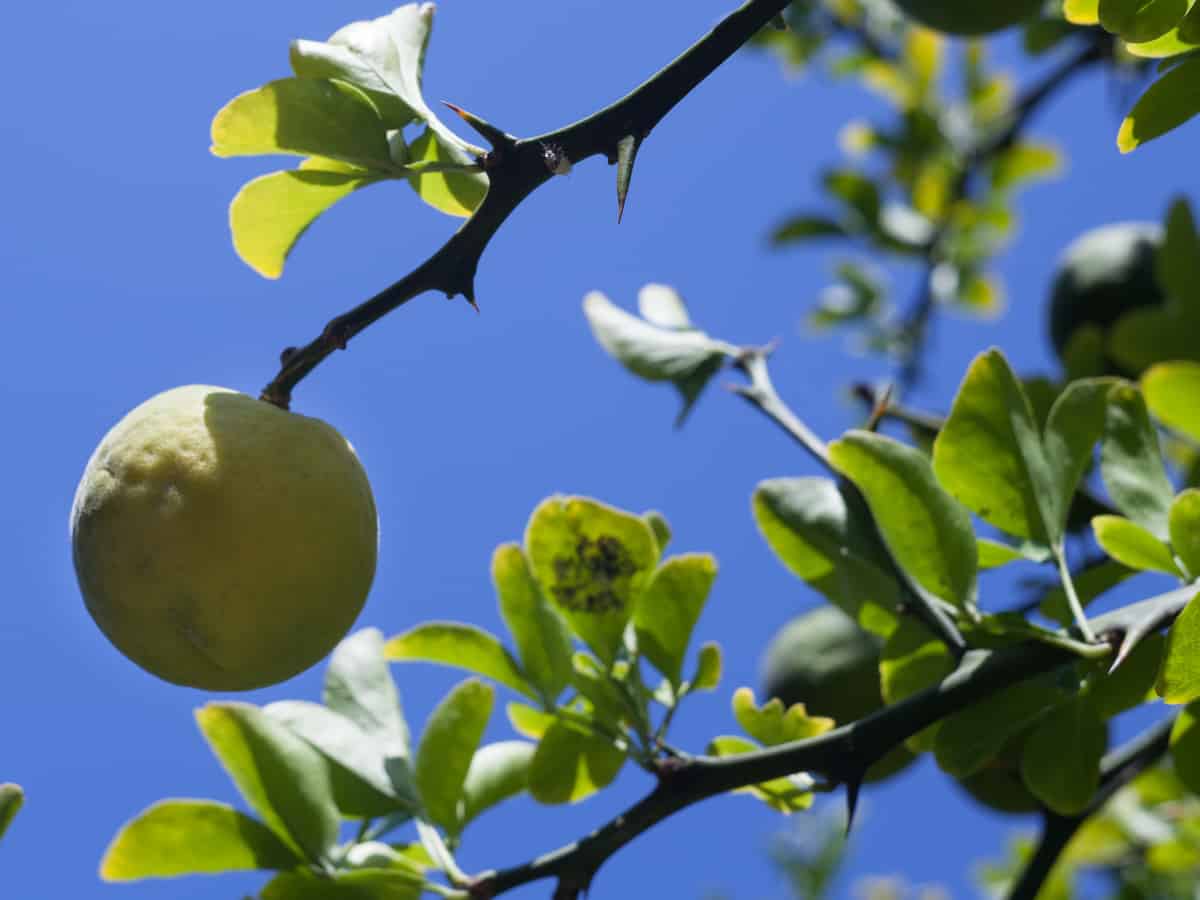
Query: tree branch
[518,167]
[1117,769]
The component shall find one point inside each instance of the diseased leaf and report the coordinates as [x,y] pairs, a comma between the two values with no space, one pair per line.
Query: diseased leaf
[1132,464]
[1168,103]
[447,746]
[771,724]
[593,563]
[269,213]
[1061,760]
[669,609]
[1132,545]
[543,642]
[928,532]
[281,776]
[1179,677]
[569,766]
[824,535]
[463,646]
[497,772]
[189,837]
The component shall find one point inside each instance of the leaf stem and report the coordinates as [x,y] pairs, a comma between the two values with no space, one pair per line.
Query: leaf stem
[1068,583]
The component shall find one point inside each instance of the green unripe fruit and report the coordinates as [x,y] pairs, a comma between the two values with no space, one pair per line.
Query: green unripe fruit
[825,661]
[1103,275]
[969,18]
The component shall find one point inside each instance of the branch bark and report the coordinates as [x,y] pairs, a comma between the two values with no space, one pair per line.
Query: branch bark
[518,167]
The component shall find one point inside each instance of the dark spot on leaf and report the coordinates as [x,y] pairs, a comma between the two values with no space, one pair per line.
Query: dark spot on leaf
[594,579]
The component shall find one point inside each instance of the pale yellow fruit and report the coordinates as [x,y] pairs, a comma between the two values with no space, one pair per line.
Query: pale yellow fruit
[221,542]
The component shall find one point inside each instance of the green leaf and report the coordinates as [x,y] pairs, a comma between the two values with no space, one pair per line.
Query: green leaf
[190,837]
[1170,389]
[451,737]
[1172,100]
[1132,545]
[454,193]
[306,117]
[543,642]
[12,798]
[364,884]
[359,686]
[600,688]
[385,58]
[858,194]
[824,535]
[1082,12]
[669,609]
[1060,763]
[463,646]
[688,358]
[988,454]
[569,766]
[527,721]
[708,668]
[269,214]
[283,778]
[1185,747]
[1141,20]
[1177,265]
[771,724]
[1184,527]
[1179,677]
[662,530]
[1132,464]
[1133,682]
[786,795]
[1025,162]
[498,771]
[362,785]
[993,554]
[967,740]
[912,660]
[928,532]
[592,563]
[805,228]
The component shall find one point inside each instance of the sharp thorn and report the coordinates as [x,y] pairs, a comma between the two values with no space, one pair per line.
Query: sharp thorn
[852,789]
[494,135]
[627,148]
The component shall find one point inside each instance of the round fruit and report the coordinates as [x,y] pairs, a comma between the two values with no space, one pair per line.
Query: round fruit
[825,661]
[221,542]
[1103,275]
[969,19]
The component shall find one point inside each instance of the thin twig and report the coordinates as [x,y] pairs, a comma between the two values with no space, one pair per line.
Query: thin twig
[518,167]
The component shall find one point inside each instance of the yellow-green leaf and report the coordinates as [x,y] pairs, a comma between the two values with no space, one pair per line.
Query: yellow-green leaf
[454,193]
[1179,677]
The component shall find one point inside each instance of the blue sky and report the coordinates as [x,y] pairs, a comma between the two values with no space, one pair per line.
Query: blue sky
[120,282]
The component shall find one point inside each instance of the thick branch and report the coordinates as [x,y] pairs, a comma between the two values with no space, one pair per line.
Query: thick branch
[1116,770]
[515,169]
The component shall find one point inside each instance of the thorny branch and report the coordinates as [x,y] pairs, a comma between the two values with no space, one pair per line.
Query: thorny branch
[518,167]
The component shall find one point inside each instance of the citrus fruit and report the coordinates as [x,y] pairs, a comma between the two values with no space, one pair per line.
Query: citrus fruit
[221,542]
[969,19]
[1102,275]
[825,661]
